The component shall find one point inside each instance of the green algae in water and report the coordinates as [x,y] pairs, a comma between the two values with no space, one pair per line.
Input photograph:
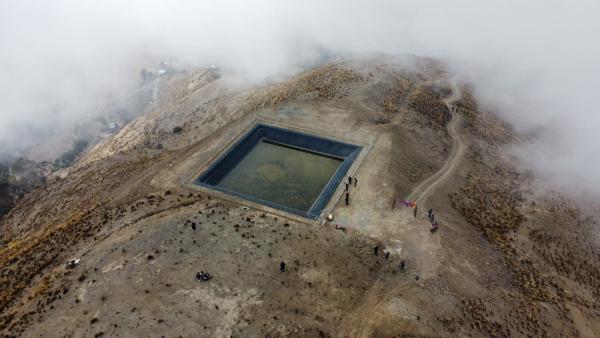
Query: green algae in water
[287,176]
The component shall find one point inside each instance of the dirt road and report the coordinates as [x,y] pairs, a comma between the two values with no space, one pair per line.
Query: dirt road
[370,310]
[425,188]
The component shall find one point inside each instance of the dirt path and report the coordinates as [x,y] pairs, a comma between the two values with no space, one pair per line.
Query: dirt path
[369,312]
[425,188]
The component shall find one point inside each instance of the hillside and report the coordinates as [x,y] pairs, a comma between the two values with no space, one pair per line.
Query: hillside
[510,258]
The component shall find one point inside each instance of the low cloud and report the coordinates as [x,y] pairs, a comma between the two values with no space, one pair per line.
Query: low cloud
[535,62]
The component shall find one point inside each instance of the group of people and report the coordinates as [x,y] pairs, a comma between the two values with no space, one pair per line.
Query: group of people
[203,276]
[386,255]
[434,224]
[349,183]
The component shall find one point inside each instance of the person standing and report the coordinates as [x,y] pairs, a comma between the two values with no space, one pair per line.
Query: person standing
[355,181]
[415,210]
[347,198]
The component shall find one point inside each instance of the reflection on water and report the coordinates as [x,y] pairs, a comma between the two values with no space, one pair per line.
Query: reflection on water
[287,176]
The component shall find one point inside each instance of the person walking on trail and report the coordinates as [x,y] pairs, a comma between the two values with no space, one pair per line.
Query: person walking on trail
[434,227]
[347,198]
[349,179]
[347,185]
[429,213]
[282,267]
[415,210]
[355,181]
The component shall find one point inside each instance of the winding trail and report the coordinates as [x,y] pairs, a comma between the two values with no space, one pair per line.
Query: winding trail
[426,187]
[367,313]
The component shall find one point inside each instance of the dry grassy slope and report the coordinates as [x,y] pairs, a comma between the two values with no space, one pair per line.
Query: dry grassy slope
[549,246]
[18,179]
[50,224]
[548,288]
[202,101]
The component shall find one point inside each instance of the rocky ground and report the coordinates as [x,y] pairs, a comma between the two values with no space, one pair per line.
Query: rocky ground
[510,258]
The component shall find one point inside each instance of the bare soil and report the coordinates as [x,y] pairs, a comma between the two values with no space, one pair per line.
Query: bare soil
[510,258]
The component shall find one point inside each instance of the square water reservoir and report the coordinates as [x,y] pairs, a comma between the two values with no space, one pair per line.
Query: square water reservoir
[284,169]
